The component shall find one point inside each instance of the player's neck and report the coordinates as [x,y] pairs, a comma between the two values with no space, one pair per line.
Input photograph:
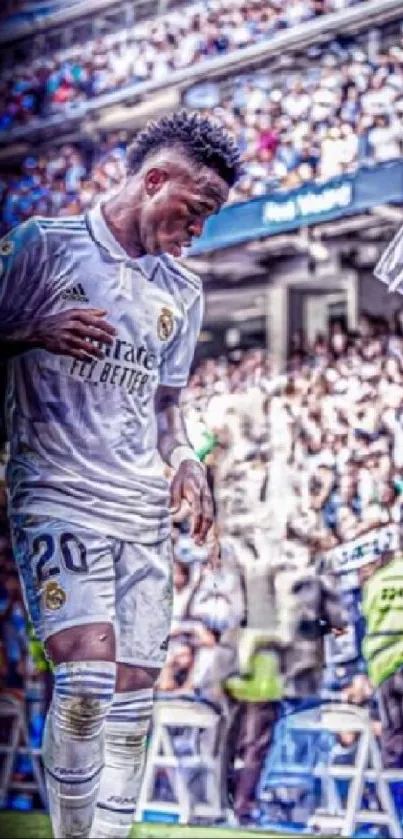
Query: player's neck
[120,222]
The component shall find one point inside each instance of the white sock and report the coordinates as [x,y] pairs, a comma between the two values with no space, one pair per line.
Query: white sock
[73,743]
[126,730]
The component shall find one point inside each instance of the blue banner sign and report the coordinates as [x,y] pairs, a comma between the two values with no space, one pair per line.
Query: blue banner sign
[308,205]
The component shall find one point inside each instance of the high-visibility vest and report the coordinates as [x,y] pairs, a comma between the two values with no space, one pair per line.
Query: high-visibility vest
[264,684]
[37,652]
[383,611]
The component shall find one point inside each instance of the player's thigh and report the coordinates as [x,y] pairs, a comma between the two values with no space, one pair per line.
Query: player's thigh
[67,574]
[144,597]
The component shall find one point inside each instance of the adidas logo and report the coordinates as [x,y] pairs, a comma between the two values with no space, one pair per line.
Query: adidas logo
[164,645]
[76,293]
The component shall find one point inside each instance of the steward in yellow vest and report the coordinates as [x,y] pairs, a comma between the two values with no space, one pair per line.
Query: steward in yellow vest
[383,649]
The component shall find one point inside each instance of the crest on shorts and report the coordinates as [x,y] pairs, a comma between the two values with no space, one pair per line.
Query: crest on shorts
[6,247]
[54,596]
[165,324]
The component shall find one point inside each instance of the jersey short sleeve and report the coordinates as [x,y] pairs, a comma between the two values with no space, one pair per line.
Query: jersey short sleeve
[22,257]
[390,266]
[177,360]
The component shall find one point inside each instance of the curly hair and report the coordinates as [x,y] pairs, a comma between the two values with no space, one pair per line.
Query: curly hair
[204,141]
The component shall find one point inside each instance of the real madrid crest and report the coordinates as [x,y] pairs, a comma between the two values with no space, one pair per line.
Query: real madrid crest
[54,596]
[6,247]
[165,324]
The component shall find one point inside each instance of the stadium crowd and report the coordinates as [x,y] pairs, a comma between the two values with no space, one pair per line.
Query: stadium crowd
[147,51]
[302,463]
[345,408]
[342,399]
[344,110]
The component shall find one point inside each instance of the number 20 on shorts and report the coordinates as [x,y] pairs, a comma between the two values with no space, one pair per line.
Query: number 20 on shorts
[71,550]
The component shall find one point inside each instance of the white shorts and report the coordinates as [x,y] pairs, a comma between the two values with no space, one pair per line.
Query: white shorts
[73,576]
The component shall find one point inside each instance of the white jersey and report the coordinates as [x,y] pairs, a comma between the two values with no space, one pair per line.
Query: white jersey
[83,435]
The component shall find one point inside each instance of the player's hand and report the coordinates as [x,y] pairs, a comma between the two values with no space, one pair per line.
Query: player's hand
[71,333]
[191,497]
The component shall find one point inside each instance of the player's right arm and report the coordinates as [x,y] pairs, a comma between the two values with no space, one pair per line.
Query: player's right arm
[25,284]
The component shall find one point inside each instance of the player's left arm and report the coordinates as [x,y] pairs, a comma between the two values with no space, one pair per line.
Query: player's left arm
[189,488]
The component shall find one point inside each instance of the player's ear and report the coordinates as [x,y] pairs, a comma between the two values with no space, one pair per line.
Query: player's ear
[154,179]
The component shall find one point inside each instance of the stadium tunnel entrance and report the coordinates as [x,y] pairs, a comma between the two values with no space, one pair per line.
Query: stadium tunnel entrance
[300,283]
[272,301]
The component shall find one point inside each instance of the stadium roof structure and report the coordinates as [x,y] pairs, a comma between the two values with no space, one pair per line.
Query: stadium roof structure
[55,15]
[261,278]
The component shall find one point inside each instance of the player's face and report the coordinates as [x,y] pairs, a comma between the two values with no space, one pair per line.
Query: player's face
[176,208]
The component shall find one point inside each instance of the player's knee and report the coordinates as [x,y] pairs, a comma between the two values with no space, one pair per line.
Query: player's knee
[92,642]
[82,697]
[82,716]
[130,678]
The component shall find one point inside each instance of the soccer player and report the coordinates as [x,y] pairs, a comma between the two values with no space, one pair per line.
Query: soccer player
[100,324]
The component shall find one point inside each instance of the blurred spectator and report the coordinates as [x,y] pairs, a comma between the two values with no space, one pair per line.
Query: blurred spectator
[60,182]
[14,639]
[13,636]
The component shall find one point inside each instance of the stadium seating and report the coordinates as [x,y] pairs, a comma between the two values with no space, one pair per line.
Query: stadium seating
[177,40]
[355,119]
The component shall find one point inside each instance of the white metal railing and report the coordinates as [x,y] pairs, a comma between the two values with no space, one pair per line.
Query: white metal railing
[204,728]
[341,815]
[352,20]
